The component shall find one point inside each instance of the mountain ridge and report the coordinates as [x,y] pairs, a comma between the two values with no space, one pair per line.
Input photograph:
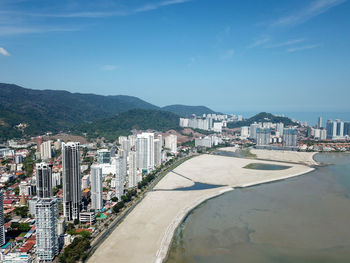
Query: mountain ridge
[186,110]
[60,110]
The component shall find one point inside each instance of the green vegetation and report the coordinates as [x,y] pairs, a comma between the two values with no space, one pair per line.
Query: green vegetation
[22,227]
[76,251]
[118,207]
[262,117]
[186,111]
[21,211]
[20,105]
[123,123]
[28,164]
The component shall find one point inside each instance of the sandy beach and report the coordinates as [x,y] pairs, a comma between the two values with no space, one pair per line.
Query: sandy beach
[146,233]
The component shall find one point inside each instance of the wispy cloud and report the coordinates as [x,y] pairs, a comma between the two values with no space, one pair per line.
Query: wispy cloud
[18,30]
[102,14]
[154,6]
[259,42]
[108,67]
[295,49]
[315,8]
[228,54]
[4,52]
[15,21]
[286,43]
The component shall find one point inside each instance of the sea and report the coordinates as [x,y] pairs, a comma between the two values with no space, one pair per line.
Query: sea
[304,219]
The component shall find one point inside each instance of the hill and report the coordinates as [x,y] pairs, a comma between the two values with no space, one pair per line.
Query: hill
[124,122]
[53,110]
[185,111]
[262,117]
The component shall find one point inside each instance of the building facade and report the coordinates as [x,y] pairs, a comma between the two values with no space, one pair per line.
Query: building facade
[290,138]
[71,180]
[96,187]
[171,143]
[45,150]
[145,151]
[263,136]
[46,215]
[44,180]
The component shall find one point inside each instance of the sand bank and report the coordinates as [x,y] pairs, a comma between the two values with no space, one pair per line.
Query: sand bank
[146,233]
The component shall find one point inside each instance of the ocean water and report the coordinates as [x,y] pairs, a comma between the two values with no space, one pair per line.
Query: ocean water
[304,219]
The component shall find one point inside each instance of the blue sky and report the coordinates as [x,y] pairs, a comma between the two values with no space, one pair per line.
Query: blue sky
[278,56]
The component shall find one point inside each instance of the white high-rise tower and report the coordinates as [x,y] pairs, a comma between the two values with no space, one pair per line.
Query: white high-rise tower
[71,180]
[96,187]
[145,151]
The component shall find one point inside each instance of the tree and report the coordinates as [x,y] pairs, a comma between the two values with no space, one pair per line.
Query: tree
[16,190]
[114,199]
[21,211]
[118,206]
[24,227]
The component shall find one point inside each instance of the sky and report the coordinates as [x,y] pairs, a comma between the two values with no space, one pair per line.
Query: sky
[232,56]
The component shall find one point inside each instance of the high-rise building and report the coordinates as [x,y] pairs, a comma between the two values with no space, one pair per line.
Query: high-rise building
[2,222]
[252,130]
[45,150]
[280,128]
[336,129]
[157,152]
[171,143]
[132,176]
[145,151]
[244,132]
[124,143]
[121,173]
[340,128]
[44,180]
[103,156]
[323,134]
[119,186]
[46,214]
[346,128]
[263,136]
[319,124]
[71,180]
[96,187]
[290,138]
[331,129]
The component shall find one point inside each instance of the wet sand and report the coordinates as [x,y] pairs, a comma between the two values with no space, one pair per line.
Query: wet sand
[146,233]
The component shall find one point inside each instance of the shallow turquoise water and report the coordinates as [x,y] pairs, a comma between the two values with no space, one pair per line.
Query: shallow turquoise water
[303,219]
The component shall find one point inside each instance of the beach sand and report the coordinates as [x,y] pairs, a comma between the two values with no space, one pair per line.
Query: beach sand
[146,233]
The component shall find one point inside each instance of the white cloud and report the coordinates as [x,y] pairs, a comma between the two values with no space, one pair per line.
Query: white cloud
[101,14]
[18,30]
[228,54]
[259,42]
[4,52]
[108,67]
[295,49]
[286,43]
[315,8]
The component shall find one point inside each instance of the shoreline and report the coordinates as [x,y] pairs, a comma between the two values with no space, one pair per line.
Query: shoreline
[163,252]
[160,213]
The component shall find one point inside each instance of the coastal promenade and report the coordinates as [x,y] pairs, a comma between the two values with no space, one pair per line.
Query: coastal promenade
[146,233]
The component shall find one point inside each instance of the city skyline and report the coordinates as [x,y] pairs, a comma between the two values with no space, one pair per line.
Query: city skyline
[275,50]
